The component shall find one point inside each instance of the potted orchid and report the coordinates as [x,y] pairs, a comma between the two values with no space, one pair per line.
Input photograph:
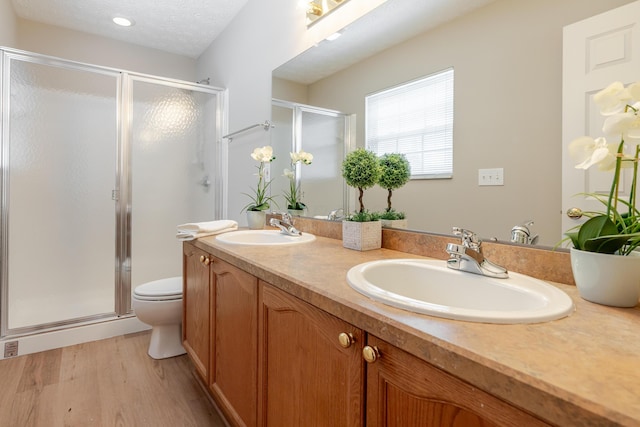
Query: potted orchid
[608,239]
[260,201]
[361,230]
[395,172]
[293,197]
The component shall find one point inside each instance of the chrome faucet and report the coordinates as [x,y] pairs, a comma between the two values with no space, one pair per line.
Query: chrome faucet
[468,256]
[334,215]
[522,234]
[285,225]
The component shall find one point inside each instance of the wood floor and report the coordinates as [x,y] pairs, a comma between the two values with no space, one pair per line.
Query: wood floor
[111,382]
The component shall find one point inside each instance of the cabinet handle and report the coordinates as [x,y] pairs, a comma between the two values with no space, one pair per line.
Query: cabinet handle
[346,339]
[370,354]
[202,258]
[207,261]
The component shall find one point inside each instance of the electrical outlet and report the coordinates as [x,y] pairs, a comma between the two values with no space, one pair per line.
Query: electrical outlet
[493,176]
[10,349]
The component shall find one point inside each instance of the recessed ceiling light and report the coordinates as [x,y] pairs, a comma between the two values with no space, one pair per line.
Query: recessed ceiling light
[123,22]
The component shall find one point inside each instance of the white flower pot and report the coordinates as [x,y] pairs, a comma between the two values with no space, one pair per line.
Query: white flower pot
[256,219]
[362,236]
[395,223]
[612,280]
[296,212]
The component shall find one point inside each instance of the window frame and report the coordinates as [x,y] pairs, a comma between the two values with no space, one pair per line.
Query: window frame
[447,112]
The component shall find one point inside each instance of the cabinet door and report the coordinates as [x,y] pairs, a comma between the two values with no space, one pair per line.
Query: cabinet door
[234,347]
[404,391]
[195,310]
[307,378]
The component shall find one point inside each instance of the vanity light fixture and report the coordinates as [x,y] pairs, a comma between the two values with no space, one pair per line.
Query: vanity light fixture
[317,9]
[123,22]
[314,9]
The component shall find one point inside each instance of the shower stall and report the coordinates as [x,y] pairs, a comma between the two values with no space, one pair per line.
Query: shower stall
[328,135]
[98,167]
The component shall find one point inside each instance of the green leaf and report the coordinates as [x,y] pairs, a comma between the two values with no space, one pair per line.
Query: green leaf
[595,227]
[574,239]
[606,244]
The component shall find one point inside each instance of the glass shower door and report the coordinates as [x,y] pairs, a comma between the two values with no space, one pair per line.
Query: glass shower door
[324,133]
[173,135]
[59,165]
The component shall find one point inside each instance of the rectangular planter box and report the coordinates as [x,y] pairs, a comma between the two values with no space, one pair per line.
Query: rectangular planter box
[362,236]
[395,223]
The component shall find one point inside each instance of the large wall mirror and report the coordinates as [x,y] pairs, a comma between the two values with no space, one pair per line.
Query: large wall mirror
[507,57]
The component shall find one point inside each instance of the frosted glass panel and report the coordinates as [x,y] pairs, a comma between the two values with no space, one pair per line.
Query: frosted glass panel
[321,133]
[62,162]
[324,137]
[172,155]
[282,143]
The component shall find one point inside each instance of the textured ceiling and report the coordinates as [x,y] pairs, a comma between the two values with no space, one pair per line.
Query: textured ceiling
[390,23]
[184,27]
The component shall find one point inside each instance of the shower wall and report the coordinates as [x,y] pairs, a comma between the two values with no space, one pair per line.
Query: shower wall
[323,133]
[98,168]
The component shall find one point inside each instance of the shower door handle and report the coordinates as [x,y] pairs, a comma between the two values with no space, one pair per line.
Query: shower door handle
[205,182]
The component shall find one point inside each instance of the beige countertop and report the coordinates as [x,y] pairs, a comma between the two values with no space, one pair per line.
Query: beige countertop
[583,370]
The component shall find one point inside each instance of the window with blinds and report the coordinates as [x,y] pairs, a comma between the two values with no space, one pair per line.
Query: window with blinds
[415,119]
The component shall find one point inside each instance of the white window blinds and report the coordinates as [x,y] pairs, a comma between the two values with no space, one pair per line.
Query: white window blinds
[415,119]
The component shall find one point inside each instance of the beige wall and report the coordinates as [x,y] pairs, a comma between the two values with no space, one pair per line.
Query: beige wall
[290,91]
[92,49]
[7,24]
[507,58]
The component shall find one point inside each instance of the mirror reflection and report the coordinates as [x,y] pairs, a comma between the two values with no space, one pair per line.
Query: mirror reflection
[507,56]
[324,134]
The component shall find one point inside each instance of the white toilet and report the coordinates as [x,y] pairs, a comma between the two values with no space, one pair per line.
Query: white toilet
[159,304]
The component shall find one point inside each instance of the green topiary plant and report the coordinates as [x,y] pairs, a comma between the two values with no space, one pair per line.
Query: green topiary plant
[361,170]
[392,215]
[396,172]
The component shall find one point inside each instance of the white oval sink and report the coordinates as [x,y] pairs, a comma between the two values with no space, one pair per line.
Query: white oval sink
[429,287]
[263,237]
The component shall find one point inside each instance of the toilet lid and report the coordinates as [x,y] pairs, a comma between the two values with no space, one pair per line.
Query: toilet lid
[163,289]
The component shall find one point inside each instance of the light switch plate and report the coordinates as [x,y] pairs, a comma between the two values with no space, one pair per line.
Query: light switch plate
[494,176]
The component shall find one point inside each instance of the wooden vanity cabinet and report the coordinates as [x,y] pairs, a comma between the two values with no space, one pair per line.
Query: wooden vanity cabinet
[404,391]
[220,331]
[196,308]
[270,359]
[233,380]
[311,371]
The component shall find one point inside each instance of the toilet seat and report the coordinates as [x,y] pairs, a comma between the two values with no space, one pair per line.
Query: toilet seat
[159,290]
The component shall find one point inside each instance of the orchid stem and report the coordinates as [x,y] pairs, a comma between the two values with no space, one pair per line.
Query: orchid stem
[616,179]
[632,196]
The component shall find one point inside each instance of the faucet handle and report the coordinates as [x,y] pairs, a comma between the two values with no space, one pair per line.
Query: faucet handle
[469,238]
[334,214]
[286,218]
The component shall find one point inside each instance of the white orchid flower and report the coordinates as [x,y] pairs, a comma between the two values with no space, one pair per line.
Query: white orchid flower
[301,156]
[625,124]
[289,174]
[588,152]
[306,158]
[263,154]
[612,99]
[634,91]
